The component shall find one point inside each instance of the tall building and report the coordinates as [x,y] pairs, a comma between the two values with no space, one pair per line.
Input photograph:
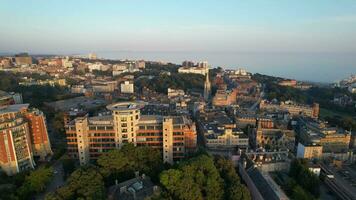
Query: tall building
[207,87]
[89,137]
[41,145]
[23,134]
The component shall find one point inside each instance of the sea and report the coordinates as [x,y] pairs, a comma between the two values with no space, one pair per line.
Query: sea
[313,67]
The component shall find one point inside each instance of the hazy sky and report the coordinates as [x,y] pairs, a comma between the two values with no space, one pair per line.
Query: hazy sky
[77,26]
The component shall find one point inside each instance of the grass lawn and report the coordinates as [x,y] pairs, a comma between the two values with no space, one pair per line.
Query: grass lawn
[330,113]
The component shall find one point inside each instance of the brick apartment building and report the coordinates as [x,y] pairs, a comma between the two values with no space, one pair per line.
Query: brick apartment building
[23,135]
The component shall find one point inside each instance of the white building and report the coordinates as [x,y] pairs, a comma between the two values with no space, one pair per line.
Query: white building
[92,56]
[67,63]
[127,87]
[352,88]
[119,69]
[78,89]
[193,70]
[95,66]
[175,93]
[104,86]
[203,64]
[230,138]
[140,64]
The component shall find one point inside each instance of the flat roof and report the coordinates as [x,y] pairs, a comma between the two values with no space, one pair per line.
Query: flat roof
[126,106]
[13,108]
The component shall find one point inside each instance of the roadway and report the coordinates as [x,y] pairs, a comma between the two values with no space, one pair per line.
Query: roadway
[339,186]
[56,182]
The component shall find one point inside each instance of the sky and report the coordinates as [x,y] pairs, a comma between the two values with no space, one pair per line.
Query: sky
[253,26]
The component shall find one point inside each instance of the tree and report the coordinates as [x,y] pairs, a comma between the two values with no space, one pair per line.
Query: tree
[144,159]
[113,163]
[234,190]
[84,183]
[300,194]
[196,179]
[304,177]
[121,164]
[35,182]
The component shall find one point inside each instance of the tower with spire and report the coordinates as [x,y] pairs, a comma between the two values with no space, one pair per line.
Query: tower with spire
[207,86]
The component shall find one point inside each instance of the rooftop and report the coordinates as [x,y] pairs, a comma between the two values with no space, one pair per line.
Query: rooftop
[13,108]
[121,106]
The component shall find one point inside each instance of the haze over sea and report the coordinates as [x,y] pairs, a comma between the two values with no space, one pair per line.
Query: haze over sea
[315,67]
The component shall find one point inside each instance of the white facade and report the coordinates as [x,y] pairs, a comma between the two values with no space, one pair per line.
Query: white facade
[193,70]
[352,88]
[127,87]
[66,63]
[78,89]
[228,139]
[119,69]
[126,117]
[98,66]
[168,140]
[315,170]
[175,92]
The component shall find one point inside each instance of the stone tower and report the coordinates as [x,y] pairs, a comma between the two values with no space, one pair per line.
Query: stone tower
[207,86]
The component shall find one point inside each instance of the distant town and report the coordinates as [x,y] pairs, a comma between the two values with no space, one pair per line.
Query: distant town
[85,127]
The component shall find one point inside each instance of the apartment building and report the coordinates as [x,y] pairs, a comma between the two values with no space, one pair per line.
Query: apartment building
[23,134]
[41,145]
[89,137]
[294,109]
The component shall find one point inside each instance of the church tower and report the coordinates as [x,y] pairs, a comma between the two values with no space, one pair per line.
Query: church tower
[207,86]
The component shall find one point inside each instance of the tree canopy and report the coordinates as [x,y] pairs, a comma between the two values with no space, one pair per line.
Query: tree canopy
[203,178]
[84,183]
[304,178]
[121,163]
[196,179]
[35,182]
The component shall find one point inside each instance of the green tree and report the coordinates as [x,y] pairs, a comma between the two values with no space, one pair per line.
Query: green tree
[84,183]
[121,164]
[300,194]
[144,159]
[304,177]
[234,190]
[113,163]
[196,179]
[35,182]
